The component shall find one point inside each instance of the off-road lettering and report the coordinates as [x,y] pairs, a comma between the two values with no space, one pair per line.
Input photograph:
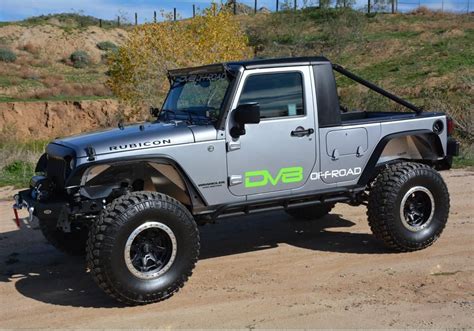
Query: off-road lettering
[336,173]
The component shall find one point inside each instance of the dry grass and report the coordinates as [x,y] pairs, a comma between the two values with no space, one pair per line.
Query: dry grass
[28,73]
[13,152]
[31,48]
[52,80]
[56,89]
[431,13]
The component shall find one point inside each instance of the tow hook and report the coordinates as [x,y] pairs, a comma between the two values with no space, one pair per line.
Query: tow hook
[20,204]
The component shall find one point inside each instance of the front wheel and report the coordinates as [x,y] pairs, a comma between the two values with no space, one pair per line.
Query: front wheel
[408,206]
[143,248]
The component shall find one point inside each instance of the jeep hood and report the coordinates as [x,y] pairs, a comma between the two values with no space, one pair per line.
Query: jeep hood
[135,137]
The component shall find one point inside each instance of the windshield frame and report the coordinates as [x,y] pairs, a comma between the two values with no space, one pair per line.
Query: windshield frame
[230,76]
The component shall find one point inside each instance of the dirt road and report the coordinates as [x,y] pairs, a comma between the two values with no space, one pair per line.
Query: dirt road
[262,272]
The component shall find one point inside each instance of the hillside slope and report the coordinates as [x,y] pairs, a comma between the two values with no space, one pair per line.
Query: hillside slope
[43,67]
[425,57]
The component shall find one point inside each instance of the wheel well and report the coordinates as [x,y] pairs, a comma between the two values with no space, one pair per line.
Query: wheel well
[412,147]
[422,146]
[115,179]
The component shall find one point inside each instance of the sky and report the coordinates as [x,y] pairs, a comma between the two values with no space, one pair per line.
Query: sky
[13,10]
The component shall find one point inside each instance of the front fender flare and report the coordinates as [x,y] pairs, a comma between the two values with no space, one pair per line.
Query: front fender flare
[196,199]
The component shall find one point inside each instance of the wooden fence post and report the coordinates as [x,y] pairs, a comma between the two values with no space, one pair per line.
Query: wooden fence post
[194,10]
[100,22]
[368,6]
[255,7]
[136,19]
[235,7]
[154,16]
[277,5]
[295,5]
[118,20]
[393,6]
[174,14]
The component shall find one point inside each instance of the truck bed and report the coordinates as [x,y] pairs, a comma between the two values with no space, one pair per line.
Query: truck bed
[357,117]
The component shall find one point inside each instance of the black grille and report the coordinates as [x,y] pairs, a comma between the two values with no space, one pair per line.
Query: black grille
[58,164]
[56,171]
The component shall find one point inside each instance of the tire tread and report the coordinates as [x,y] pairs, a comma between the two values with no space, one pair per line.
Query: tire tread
[383,195]
[99,244]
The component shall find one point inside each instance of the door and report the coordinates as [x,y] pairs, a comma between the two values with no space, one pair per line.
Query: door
[279,153]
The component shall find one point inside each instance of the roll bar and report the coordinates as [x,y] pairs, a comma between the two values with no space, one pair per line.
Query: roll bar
[376,88]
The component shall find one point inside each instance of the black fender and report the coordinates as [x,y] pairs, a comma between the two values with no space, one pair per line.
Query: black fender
[370,168]
[195,197]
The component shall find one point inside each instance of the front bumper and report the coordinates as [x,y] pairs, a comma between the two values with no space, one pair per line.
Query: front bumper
[49,209]
[20,204]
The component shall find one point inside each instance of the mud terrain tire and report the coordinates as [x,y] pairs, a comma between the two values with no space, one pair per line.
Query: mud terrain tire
[408,206]
[311,212]
[72,243]
[132,231]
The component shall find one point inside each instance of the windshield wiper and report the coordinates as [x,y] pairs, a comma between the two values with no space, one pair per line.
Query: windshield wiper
[166,112]
[193,120]
[190,113]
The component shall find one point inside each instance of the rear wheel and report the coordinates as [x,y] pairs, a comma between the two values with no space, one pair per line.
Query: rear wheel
[72,243]
[310,212]
[143,248]
[408,206]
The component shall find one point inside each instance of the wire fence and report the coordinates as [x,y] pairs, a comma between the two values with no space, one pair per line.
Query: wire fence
[186,9]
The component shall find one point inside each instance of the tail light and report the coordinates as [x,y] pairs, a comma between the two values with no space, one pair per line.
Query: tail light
[450,125]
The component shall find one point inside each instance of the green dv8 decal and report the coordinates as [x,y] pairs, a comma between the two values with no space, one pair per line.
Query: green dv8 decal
[261,178]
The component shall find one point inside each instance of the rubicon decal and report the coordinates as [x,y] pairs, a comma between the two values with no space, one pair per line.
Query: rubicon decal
[260,178]
[140,145]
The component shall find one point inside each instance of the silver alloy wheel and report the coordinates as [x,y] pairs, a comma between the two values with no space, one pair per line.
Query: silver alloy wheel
[150,250]
[417,208]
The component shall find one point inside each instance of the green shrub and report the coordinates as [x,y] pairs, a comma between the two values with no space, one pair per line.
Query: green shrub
[107,46]
[70,19]
[80,59]
[17,173]
[7,55]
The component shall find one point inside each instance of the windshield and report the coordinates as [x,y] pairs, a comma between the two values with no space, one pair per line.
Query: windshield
[195,98]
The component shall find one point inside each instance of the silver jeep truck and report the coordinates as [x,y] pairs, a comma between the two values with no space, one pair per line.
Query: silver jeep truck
[233,139]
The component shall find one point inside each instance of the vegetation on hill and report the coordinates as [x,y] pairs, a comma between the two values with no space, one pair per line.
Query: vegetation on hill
[426,57]
[69,19]
[138,70]
[6,55]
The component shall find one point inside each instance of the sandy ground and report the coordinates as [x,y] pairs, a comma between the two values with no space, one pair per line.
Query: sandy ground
[264,271]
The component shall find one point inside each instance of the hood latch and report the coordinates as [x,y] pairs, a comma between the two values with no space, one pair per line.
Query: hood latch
[90,151]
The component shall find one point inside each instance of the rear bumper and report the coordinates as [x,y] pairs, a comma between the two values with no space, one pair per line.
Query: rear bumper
[453,147]
[452,150]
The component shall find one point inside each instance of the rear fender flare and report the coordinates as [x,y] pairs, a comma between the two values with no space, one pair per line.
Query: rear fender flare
[373,163]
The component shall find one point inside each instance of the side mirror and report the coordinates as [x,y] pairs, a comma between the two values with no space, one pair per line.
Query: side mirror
[154,111]
[247,113]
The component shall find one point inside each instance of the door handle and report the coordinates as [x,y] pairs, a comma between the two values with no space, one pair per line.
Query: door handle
[301,132]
